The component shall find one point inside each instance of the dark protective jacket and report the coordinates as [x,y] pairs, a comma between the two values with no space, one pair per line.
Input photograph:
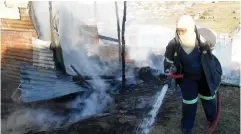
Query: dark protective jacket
[210,64]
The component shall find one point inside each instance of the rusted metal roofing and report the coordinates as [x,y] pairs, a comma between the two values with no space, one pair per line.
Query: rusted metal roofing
[11,24]
[18,46]
[17,19]
[16,49]
[110,52]
[24,14]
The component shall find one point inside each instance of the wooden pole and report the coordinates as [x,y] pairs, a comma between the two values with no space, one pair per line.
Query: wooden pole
[51,22]
[123,48]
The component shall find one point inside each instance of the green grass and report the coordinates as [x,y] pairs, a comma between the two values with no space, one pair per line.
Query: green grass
[223,22]
[222,12]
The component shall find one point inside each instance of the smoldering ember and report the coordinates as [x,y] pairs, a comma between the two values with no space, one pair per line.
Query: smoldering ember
[98,67]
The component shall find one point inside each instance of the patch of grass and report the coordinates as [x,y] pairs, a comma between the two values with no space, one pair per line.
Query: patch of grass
[206,13]
[229,121]
[221,14]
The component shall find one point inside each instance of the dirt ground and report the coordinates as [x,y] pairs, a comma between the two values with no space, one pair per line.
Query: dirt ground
[167,120]
[229,121]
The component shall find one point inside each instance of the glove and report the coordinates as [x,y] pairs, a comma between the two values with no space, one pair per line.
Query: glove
[169,80]
[172,69]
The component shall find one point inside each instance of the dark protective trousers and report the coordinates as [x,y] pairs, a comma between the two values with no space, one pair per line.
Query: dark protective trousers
[192,91]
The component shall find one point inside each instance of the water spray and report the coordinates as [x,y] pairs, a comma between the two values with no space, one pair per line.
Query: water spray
[168,83]
[147,122]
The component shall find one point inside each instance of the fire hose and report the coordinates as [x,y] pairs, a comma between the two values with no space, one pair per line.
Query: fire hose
[214,124]
[219,100]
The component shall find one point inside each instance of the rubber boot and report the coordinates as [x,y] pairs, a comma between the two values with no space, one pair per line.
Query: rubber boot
[186,131]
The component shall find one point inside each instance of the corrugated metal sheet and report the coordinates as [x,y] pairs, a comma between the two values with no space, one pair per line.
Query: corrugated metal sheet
[44,84]
[42,55]
[11,24]
[110,52]
[24,15]
[17,47]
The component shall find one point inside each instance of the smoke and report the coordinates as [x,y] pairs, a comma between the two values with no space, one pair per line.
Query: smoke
[74,38]
[147,44]
[96,103]
[75,35]
[25,120]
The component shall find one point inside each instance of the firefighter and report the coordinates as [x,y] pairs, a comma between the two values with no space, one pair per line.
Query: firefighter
[190,52]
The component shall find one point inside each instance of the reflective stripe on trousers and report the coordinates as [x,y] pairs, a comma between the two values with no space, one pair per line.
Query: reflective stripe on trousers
[201,97]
